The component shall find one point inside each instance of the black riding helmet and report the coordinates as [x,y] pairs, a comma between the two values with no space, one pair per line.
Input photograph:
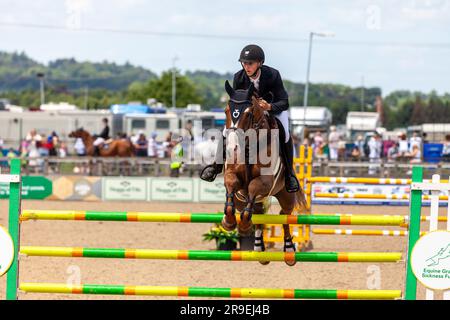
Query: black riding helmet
[252,52]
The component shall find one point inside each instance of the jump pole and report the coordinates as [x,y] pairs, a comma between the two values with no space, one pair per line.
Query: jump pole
[380,220]
[211,255]
[209,292]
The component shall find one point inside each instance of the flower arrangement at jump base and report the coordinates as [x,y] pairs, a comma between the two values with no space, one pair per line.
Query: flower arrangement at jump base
[225,240]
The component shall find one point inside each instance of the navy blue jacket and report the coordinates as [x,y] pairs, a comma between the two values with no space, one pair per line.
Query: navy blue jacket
[270,87]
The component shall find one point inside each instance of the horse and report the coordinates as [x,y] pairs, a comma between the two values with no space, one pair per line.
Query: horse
[249,185]
[116,148]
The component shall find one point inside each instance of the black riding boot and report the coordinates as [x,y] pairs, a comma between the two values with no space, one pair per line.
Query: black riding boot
[210,172]
[291,181]
[96,151]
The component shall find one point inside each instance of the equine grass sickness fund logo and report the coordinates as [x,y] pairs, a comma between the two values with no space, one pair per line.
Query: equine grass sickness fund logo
[6,251]
[33,187]
[430,260]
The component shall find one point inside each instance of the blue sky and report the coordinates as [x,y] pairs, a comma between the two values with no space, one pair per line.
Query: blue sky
[393,44]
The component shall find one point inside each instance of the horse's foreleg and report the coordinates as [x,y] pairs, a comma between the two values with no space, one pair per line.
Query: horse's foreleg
[259,241]
[231,185]
[259,186]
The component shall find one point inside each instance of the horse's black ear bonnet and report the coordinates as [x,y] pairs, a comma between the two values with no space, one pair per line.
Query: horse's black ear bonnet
[239,100]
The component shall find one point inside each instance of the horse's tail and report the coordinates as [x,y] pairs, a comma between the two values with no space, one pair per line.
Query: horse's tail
[300,199]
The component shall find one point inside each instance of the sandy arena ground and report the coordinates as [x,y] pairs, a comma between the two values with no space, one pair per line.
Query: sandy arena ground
[304,275]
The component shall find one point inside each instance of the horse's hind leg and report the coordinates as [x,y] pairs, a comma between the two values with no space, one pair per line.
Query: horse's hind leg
[259,242]
[287,203]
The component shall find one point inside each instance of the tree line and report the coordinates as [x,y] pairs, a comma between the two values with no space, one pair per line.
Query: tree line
[108,83]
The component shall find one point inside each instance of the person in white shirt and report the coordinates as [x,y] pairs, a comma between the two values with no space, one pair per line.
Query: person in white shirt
[415,140]
[33,141]
[375,152]
[402,145]
[79,147]
[333,143]
[152,145]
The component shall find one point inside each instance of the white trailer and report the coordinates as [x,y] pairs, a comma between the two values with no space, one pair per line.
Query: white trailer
[317,119]
[161,123]
[361,123]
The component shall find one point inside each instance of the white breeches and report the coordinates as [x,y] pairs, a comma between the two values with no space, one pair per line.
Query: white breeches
[98,141]
[284,119]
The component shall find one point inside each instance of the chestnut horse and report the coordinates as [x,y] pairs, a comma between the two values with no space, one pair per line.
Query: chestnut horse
[250,183]
[117,148]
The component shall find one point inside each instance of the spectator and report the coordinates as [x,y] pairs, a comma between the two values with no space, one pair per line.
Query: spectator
[34,141]
[152,145]
[341,148]
[387,145]
[415,154]
[359,143]
[333,143]
[167,145]
[393,152]
[141,146]
[62,150]
[356,153]
[402,145]
[375,151]
[176,156]
[415,140]
[318,144]
[134,138]
[424,138]
[79,147]
[189,140]
[446,149]
[52,144]
[11,153]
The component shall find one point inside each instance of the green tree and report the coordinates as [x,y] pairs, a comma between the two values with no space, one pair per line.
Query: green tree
[161,90]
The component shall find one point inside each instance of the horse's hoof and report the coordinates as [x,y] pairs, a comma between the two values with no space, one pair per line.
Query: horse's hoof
[264,263]
[289,246]
[228,226]
[290,263]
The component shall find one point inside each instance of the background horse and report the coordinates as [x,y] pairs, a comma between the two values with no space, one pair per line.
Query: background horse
[116,148]
[249,185]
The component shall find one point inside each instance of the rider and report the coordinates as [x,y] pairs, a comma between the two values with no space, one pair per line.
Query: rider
[102,137]
[267,82]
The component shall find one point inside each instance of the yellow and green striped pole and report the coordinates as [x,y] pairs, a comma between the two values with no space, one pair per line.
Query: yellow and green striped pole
[381,220]
[257,293]
[211,255]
